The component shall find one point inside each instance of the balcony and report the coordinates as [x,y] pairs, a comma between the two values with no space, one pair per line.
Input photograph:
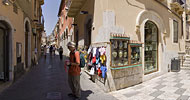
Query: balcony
[74,7]
[41,2]
[177,6]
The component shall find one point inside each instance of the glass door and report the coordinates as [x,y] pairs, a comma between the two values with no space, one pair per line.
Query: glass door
[151,47]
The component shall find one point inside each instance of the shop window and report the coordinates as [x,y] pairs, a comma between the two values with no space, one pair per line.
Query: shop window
[151,47]
[135,54]
[175,31]
[119,52]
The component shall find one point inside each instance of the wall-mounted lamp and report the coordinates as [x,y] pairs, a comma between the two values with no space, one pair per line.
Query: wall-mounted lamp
[74,24]
[83,12]
[6,2]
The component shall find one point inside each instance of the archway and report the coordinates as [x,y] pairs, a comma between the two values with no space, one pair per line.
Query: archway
[4,50]
[151,47]
[27,49]
[26,44]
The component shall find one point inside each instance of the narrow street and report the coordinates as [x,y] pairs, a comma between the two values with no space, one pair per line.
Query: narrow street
[48,81]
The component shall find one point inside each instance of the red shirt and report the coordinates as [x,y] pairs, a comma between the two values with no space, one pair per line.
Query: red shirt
[74,70]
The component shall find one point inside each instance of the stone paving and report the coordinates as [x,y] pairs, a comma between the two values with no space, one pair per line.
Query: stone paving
[48,81]
[170,86]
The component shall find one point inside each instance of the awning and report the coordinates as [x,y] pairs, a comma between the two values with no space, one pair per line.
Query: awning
[74,7]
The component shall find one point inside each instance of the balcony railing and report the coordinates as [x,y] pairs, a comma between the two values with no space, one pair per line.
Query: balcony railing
[177,6]
[74,6]
[41,2]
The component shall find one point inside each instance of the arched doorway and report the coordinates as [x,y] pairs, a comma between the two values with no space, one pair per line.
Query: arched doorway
[4,51]
[88,33]
[150,47]
[26,44]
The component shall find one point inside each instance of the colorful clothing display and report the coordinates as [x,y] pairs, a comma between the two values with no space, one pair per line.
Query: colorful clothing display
[104,70]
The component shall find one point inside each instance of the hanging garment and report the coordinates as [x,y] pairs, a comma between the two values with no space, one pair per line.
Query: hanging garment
[89,49]
[104,70]
[97,60]
[94,52]
[99,72]
[94,59]
[102,51]
[103,58]
[92,71]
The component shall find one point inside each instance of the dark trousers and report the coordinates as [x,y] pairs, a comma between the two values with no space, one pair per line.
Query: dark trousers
[74,84]
[61,56]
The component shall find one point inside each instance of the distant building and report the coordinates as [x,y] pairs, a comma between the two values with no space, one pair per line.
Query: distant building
[21,24]
[66,28]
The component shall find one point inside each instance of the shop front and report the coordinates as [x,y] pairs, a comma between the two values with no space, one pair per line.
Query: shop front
[117,61]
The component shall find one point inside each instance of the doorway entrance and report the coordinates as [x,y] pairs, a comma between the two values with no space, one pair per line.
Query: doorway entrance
[88,33]
[26,43]
[151,47]
[4,55]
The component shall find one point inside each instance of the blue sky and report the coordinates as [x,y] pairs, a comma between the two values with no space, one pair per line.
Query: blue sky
[50,10]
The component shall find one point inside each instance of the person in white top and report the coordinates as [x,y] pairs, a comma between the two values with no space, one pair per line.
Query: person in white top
[45,50]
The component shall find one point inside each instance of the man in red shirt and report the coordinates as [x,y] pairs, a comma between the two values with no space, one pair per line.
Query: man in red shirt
[74,71]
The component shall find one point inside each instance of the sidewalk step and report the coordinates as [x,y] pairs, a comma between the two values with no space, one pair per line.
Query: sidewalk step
[186,65]
[185,68]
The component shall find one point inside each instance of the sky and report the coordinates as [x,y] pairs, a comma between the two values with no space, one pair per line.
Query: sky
[50,11]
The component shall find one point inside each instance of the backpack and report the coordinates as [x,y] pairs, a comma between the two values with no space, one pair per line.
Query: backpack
[82,60]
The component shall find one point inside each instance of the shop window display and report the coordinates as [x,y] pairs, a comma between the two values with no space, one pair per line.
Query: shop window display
[151,42]
[135,54]
[119,51]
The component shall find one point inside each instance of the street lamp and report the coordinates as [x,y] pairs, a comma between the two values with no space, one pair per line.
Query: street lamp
[83,12]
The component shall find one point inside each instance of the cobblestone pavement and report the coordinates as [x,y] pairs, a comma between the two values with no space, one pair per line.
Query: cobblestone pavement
[48,81]
[170,86]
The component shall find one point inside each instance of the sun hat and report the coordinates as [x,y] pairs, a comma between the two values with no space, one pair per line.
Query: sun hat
[71,44]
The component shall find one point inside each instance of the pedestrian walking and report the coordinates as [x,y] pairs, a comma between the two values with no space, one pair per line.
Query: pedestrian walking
[54,48]
[35,56]
[45,51]
[61,52]
[74,72]
[51,50]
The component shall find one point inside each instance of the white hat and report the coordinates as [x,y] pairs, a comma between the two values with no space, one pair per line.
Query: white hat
[71,44]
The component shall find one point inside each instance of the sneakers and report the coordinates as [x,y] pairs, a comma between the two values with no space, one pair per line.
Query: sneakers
[71,95]
[76,98]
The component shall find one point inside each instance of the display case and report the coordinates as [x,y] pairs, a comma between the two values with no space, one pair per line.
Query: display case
[119,52]
[135,54]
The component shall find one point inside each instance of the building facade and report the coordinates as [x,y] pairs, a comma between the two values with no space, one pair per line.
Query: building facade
[153,32]
[17,24]
[65,26]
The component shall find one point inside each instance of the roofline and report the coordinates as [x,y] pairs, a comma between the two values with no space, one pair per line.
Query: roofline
[60,7]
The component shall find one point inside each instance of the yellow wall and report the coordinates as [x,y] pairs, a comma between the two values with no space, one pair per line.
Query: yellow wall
[18,24]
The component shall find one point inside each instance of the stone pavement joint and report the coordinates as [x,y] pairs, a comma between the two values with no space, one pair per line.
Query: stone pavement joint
[54,95]
[180,91]
[183,97]
[170,86]
[156,93]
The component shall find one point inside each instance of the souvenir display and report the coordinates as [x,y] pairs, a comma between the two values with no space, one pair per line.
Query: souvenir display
[97,61]
[119,54]
[120,45]
[115,45]
[114,54]
[125,45]
[135,55]
[125,54]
